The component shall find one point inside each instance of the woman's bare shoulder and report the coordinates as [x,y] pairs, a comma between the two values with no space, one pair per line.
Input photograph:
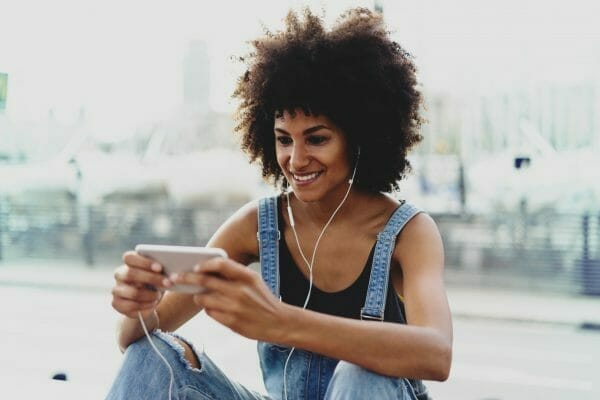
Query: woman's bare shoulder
[420,242]
[237,235]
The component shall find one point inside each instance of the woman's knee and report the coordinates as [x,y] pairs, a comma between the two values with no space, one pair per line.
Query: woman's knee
[143,373]
[173,348]
[189,353]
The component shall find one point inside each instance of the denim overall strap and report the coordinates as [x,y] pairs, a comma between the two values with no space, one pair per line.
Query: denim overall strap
[268,239]
[380,270]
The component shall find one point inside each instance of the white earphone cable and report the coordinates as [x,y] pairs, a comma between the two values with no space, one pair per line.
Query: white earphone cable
[172,377]
[312,260]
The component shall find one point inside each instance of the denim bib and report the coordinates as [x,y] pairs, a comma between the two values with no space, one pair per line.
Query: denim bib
[308,374]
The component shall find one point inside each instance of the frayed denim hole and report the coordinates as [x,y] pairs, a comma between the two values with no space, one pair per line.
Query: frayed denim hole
[170,339]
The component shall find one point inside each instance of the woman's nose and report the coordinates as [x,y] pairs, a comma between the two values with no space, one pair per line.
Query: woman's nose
[299,158]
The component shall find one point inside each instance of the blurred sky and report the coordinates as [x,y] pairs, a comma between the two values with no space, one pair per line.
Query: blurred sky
[121,60]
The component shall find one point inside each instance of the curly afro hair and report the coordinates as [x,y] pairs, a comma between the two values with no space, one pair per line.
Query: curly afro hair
[354,74]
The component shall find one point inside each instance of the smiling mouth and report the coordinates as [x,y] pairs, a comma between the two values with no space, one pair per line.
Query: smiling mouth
[307,177]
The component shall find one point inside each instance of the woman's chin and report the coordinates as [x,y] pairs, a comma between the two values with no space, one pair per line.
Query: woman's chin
[306,196]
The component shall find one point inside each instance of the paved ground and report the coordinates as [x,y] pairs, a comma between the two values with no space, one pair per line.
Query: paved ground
[59,319]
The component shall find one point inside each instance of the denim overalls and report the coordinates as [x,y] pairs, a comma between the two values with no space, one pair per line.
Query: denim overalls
[308,374]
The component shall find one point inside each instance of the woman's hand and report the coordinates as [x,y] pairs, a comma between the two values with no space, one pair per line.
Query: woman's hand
[139,286]
[238,298]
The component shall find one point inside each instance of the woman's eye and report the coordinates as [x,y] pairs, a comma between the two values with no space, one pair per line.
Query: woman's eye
[284,140]
[317,139]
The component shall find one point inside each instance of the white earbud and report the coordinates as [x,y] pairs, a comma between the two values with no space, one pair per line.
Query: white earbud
[351,180]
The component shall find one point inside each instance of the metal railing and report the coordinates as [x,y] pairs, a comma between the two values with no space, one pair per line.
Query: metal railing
[100,234]
[543,251]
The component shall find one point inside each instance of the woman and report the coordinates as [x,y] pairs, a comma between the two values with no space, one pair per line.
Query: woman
[351,302]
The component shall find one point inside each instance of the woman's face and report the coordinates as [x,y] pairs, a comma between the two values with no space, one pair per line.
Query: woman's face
[313,154]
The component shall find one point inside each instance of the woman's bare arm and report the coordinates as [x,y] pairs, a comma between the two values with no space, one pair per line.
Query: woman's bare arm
[239,299]
[422,348]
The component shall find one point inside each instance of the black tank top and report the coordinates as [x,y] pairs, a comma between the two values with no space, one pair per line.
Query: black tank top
[293,287]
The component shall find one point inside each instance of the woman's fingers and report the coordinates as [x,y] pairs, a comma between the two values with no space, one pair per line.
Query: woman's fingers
[211,282]
[139,285]
[127,273]
[133,259]
[130,308]
[140,294]
[247,309]
[229,269]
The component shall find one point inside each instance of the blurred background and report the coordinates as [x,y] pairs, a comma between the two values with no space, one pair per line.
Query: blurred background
[116,129]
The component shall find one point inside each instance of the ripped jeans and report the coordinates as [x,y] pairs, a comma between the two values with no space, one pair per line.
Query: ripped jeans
[143,375]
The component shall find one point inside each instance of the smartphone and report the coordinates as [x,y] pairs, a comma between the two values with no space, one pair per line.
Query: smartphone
[179,259]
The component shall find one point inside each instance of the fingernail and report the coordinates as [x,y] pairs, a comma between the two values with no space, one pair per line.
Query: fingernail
[166,282]
[156,267]
[197,268]
[174,277]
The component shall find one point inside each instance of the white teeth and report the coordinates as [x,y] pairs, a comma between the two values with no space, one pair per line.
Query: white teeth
[304,178]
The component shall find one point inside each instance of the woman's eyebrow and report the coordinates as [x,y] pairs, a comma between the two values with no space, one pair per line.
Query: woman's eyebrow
[307,131]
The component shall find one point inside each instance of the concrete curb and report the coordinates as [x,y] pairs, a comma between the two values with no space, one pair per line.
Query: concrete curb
[54,286]
[583,325]
[525,307]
